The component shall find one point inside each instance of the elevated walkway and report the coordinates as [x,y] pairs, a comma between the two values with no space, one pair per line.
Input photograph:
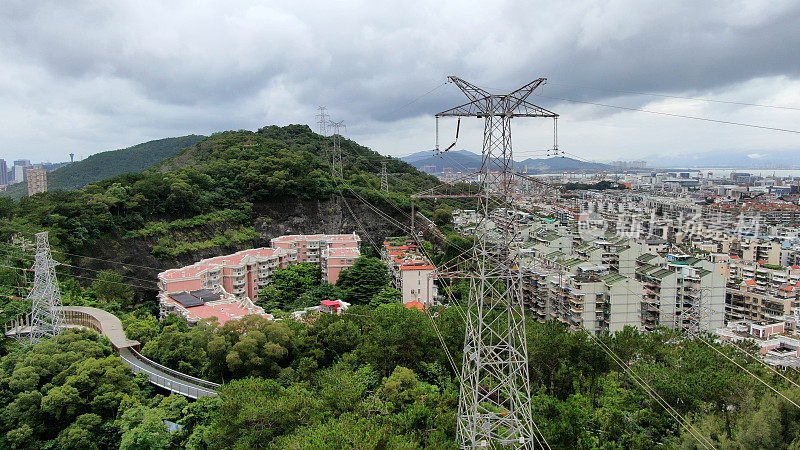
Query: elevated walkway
[110,326]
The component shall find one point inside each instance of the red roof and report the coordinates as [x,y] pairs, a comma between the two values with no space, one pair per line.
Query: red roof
[734,257]
[750,282]
[333,303]
[428,267]
[415,304]
[795,267]
[762,261]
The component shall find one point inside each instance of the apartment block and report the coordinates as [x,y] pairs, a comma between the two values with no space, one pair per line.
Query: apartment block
[412,273]
[589,298]
[675,284]
[332,252]
[37,181]
[241,274]
[205,305]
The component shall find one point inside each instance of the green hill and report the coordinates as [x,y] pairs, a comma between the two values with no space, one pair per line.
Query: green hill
[228,191]
[102,166]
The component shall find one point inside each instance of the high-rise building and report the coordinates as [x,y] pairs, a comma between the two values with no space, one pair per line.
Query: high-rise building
[19,170]
[37,181]
[3,172]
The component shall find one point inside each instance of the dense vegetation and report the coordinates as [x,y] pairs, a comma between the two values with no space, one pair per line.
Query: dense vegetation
[216,181]
[104,165]
[377,376]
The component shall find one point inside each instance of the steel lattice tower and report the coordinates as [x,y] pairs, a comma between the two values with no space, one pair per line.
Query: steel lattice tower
[322,120]
[494,405]
[337,169]
[384,178]
[47,319]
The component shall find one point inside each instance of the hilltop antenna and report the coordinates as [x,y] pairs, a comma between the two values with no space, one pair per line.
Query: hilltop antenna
[384,177]
[494,405]
[47,319]
[337,169]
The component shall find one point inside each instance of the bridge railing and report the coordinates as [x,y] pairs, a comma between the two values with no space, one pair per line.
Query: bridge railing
[162,381]
[174,373]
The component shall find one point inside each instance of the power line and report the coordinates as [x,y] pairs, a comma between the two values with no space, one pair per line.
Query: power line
[704,441]
[682,116]
[729,102]
[749,372]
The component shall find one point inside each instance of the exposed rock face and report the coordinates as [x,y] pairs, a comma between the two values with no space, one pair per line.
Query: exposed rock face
[271,219]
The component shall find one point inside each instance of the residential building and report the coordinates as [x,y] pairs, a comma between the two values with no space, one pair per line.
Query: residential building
[332,252]
[37,181]
[774,339]
[412,273]
[207,305]
[18,170]
[241,274]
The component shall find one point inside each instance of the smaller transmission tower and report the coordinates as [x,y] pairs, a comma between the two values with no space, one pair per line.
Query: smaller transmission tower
[336,158]
[46,316]
[697,317]
[384,178]
[322,120]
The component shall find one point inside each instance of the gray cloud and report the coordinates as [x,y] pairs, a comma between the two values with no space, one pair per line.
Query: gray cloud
[94,75]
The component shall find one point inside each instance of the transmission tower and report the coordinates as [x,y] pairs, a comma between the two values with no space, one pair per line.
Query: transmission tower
[494,406]
[336,156]
[696,318]
[46,316]
[322,120]
[384,178]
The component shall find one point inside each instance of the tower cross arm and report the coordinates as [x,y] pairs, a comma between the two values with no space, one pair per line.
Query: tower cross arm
[471,109]
[472,92]
[493,106]
[528,109]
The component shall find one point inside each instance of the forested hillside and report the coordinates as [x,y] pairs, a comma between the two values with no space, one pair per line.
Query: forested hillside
[104,165]
[230,191]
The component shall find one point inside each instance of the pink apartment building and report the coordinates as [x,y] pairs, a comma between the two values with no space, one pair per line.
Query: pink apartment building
[244,273]
[333,252]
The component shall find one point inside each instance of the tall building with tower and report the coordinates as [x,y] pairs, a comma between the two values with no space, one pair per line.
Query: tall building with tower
[37,181]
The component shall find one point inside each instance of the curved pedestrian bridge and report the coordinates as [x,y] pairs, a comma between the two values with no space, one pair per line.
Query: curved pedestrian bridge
[110,326]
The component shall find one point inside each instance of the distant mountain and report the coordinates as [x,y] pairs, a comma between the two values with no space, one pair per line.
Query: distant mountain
[464,159]
[742,159]
[102,166]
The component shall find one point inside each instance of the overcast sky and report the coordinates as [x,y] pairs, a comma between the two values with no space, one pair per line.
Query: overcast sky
[91,76]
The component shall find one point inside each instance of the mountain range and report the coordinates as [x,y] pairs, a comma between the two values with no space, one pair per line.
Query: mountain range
[749,159]
[465,160]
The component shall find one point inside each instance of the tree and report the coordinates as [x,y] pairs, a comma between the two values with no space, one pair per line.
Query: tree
[289,285]
[363,280]
[110,287]
[386,295]
[253,411]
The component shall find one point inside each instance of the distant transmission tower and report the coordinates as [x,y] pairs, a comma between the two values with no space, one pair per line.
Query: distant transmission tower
[46,316]
[384,178]
[336,157]
[696,318]
[322,120]
[494,406]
